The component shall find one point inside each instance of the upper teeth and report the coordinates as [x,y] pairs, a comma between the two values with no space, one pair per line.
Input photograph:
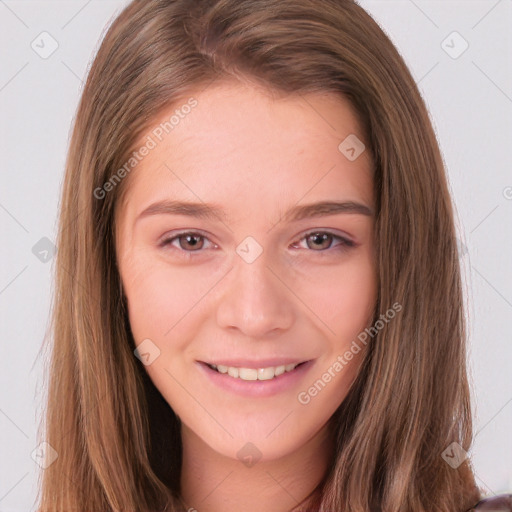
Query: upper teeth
[253,373]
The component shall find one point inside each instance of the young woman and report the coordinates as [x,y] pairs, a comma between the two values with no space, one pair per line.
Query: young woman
[258,300]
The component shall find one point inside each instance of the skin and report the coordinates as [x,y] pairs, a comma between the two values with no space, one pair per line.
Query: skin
[256,155]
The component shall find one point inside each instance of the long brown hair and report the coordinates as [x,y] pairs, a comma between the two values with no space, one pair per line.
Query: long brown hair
[118,441]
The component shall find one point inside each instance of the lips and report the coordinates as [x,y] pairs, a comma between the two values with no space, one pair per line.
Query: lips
[266,383]
[246,370]
[255,364]
[267,373]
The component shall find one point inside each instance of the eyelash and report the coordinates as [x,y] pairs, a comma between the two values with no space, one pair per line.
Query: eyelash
[345,244]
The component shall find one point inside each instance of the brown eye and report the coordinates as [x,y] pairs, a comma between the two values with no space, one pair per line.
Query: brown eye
[322,241]
[191,241]
[185,242]
[319,240]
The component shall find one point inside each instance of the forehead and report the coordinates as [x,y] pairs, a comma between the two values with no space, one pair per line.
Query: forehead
[249,148]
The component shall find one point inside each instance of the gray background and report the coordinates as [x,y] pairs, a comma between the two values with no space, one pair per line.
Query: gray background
[469,96]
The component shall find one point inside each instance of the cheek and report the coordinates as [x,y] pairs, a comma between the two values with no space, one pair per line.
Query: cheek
[162,300]
[343,296]
[151,296]
[356,300]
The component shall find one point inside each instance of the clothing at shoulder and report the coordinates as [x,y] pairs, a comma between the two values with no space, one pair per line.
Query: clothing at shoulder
[499,503]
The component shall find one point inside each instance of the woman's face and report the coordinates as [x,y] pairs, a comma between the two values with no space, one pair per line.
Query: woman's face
[251,275]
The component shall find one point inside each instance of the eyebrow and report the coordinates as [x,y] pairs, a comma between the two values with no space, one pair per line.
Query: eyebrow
[216,212]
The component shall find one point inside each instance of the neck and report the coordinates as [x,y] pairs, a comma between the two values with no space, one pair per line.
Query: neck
[212,482]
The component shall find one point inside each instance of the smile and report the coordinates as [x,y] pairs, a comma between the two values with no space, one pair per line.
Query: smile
[254,373]
[262,380]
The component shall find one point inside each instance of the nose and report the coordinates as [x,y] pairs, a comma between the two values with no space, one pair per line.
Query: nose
[256,299]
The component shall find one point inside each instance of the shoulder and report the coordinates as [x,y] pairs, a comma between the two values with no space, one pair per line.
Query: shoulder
[499,503]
